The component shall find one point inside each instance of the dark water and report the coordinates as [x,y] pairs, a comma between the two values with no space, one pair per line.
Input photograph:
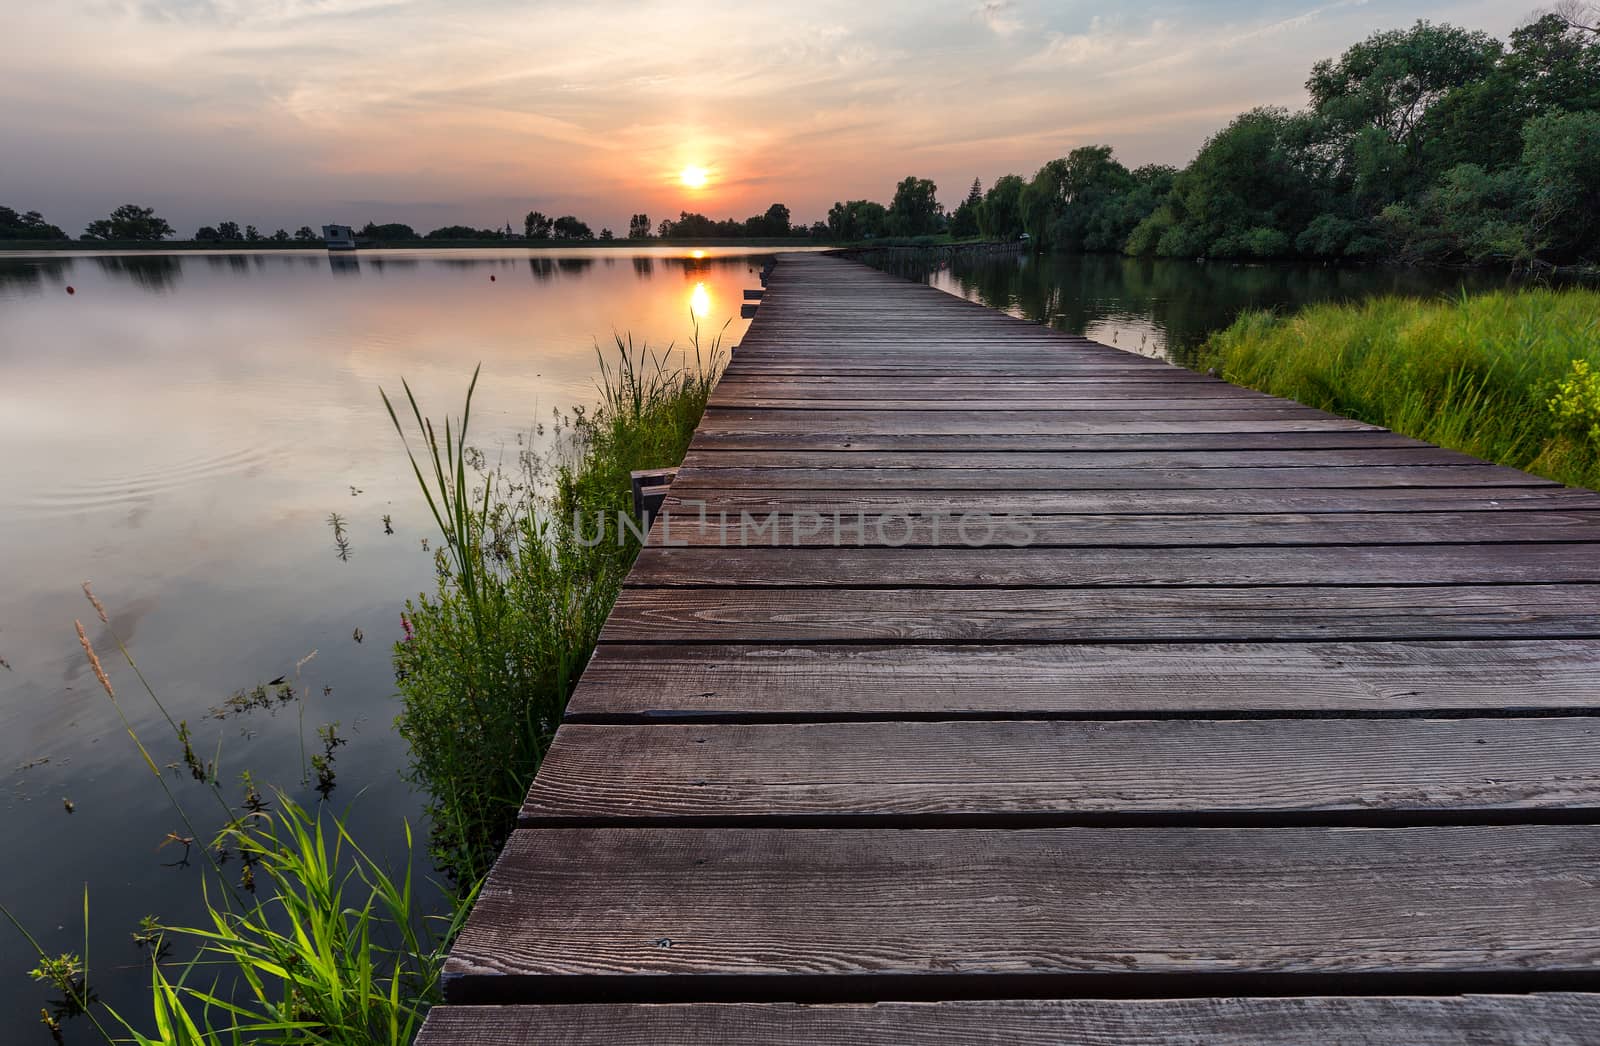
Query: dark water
[179,430]
[1161,307]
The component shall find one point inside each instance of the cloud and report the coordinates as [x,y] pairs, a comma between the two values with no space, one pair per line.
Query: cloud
[1000,16]
[273,111]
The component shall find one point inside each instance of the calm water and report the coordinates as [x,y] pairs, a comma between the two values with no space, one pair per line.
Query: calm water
[1162,307]
[179,430]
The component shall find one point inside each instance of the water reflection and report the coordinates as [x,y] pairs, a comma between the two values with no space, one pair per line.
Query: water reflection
[159,273]
[181,431]
[26,274]
[153,272]
[1162,307]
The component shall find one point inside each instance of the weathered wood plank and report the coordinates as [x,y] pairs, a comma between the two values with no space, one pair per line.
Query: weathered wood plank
[1095,442]
[1246,501]
[781,914]
[1058,680]
[1347,771]
[911,479]
[838,460]
[1040,422]
[1131,615]
[1549,1019]
[1136,531]
[1013,567]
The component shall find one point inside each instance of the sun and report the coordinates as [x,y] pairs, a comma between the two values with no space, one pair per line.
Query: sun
[694,177]
[700,301]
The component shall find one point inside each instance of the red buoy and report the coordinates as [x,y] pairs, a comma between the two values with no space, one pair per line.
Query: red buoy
[491,277]
[72,290]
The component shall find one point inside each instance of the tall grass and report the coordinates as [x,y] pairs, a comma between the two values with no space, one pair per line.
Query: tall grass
[1509,376]
[491,656]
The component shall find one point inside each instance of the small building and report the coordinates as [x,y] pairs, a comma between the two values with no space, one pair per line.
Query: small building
[339,237]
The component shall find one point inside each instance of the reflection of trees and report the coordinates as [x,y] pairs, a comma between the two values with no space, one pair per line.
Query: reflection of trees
[1184,301]
[574,266]
[344,264]
[379,264]
[152,272]
[644,267]
[31,272]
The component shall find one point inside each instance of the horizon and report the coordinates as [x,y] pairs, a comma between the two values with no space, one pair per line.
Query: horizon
[283,113]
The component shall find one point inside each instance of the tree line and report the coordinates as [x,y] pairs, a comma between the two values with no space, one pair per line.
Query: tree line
[1427,145]
[134,223]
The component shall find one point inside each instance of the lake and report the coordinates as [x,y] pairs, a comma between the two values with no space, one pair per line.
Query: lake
[180,429]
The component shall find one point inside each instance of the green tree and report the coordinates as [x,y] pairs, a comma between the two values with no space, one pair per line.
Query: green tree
[639,227]
[964,219]
[1469,216]
[280,236]
[27,226]
[567,227]
[857,220]
[228,232]
[1560,183]
[1555,62]
[1000,217]
[305,234]
[915,209]
[1071,204]
[1247,194]
[536,226]
[606,234]
[129,222]
[1372,105]
[252,234]
[776,220]
[391,233]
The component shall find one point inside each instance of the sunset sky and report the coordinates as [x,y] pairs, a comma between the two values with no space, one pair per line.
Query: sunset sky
[431,112]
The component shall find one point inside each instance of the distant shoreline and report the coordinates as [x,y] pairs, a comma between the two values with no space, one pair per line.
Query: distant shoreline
[213,247]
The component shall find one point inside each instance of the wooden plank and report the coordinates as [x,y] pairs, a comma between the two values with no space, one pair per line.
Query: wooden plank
[894,442]
[1019,480]
[1546,1019]
[1126,615]
[992,774]
[1142,384]
[1044,459]
[692,914]
[1203,679]
[1247,501]
[1141,531]
[1029,566]
[1158,408]
[1040,422]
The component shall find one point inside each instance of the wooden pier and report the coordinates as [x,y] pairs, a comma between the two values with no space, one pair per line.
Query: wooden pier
[983,684]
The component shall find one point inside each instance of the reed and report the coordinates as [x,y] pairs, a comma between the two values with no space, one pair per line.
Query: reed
[491,656]
[1508,376]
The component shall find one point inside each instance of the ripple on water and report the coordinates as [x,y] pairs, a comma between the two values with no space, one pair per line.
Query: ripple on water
[78,491]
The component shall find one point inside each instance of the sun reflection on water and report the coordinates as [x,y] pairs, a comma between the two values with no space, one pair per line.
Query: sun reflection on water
[700,301]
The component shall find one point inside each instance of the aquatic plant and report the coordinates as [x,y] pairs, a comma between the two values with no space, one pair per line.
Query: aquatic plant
[314,943]
[491,656]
